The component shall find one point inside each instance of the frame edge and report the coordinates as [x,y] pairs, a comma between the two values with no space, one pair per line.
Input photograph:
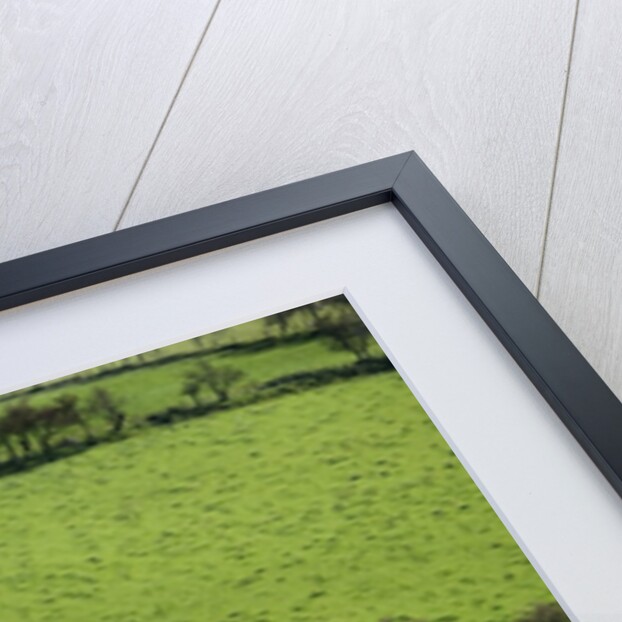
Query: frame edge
[570,385]
[572,388]
[150,245]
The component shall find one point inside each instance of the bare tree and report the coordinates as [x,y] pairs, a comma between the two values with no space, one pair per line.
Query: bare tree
[192,389]
[220,379]
[19,422]
[68,413]
[50,419]
[280,320]
[6,438]
[102,403]
[44,426]
[346,331]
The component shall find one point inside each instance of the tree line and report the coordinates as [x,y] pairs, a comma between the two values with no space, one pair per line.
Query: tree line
[28,430]
[335,319]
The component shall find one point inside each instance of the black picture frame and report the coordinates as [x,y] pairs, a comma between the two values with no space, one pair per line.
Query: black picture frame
[572,388]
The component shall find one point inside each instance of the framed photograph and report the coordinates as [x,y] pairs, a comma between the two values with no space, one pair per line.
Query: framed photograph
[331,400]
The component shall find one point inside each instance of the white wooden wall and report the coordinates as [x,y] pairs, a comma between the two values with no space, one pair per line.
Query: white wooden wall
[116,113]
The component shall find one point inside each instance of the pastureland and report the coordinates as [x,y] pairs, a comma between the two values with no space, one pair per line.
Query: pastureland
[280,472]
[291,351]
[162,359]
[39,455]
[337,503]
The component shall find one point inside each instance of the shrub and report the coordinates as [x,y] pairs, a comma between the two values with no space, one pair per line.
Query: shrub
[345,330]
[219,379]
[192,389]
[550,612]
[19,423]
[101,402]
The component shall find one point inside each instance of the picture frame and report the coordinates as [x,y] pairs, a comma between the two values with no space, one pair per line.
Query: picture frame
[483,358]
[580,398]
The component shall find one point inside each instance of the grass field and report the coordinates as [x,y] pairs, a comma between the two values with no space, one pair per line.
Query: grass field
[150,389]
[325,496]
[338,504]
[160,385]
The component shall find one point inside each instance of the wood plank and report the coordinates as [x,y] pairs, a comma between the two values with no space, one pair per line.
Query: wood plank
[282,91]
[84,87]
[582,275]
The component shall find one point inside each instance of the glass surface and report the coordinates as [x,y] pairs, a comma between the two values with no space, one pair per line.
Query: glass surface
[275,471]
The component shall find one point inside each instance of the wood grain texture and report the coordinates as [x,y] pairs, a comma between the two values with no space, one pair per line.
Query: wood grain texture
[84,87]
[582,270]
[282,91]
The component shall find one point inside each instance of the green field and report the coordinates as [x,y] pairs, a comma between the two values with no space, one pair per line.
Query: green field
[327,497]
[341,503]
[160,384]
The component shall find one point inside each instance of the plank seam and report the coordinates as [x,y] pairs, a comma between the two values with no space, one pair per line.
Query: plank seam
[547,217]
[166,116]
